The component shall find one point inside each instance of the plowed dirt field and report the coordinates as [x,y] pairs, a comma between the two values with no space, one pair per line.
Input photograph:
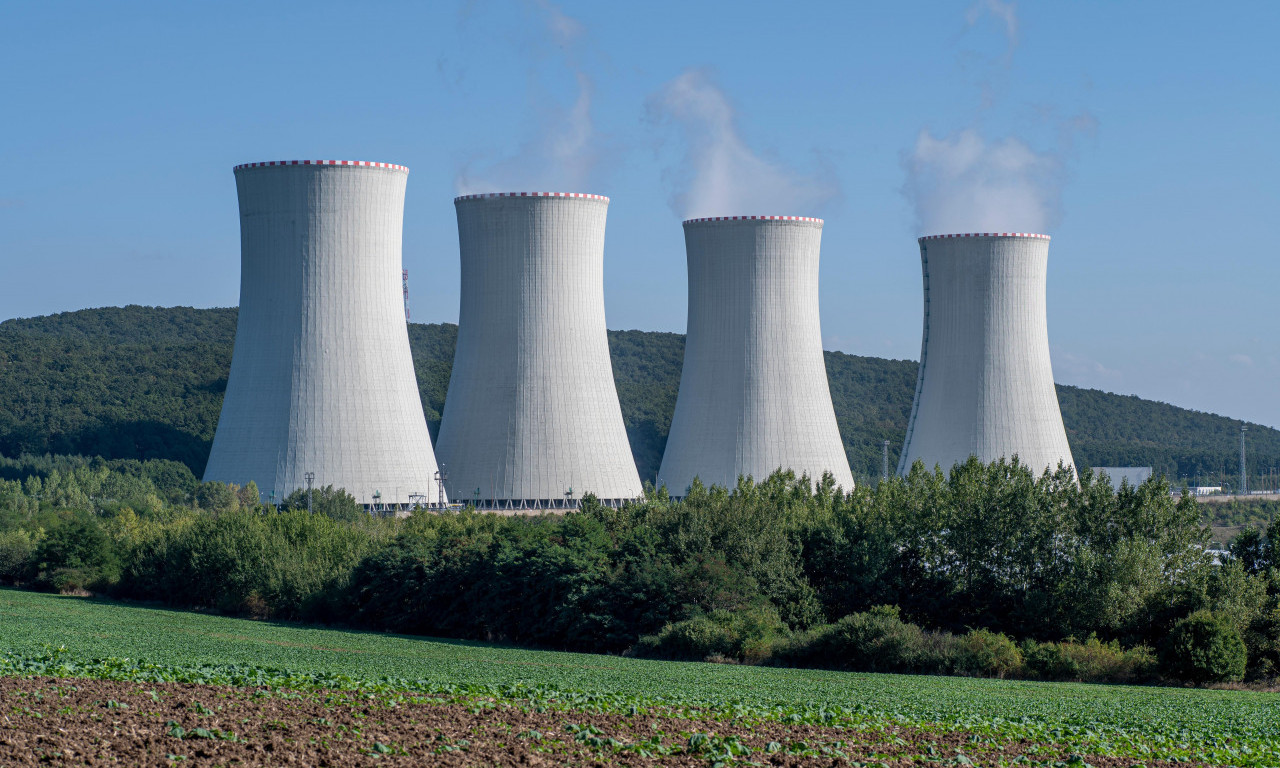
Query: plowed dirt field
[46,721]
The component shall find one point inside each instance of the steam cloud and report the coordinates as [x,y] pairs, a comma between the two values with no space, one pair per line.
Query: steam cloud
[966,182]
[1005,12]
[563,153]
[719,175]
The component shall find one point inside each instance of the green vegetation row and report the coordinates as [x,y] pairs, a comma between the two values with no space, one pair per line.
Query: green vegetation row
[147,383]
[1141,723]
[764,573]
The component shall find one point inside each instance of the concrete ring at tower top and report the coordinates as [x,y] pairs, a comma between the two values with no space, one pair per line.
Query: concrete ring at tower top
[987,234]
[753,218]
[486,195]
[352,163]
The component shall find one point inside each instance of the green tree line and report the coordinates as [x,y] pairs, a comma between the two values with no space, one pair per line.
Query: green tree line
[147,382]
[986,569]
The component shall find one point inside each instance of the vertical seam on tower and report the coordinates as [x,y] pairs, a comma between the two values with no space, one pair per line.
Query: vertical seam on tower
[924,347]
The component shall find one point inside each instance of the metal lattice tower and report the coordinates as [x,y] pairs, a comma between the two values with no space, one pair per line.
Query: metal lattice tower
[1244,477]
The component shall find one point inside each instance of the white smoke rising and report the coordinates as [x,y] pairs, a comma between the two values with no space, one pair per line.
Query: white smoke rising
[719,175]
[1006,13]
[964,183]
[968,182]
[563,152]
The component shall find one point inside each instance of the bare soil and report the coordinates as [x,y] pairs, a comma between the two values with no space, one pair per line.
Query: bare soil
[89,722]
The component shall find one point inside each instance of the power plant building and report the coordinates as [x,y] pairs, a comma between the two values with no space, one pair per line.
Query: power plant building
[532,419]
[753,394]
[322,387]
[985,384]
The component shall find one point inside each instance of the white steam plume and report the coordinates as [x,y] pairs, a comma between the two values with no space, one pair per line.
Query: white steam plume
[563,153]
[964,183]
[719,175]
[967,182]
[1005,12]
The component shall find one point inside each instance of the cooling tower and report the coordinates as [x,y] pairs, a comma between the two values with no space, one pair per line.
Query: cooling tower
[532,419]
[753,393]
[321,379]
[985,386]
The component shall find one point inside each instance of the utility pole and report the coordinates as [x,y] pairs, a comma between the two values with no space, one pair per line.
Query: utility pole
[1244,478]
[441,476]
[310,476]
[884,472]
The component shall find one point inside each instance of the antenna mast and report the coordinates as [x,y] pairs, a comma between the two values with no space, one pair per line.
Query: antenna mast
[1244,478]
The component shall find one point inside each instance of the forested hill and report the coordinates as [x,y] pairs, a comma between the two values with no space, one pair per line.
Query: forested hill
[147,382]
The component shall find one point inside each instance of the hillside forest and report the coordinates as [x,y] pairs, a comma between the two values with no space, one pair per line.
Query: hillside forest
[146,383]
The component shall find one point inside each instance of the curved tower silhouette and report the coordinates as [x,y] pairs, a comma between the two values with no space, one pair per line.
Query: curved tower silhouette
[985,386]
[322,380]
[753,393]
[532,419]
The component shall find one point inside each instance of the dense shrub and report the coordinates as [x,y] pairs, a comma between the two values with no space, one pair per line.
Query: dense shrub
[872,641]
[747,636]
[331,502]
[285,564]
[1092,660]
[17,556]
[76,554]
[1049,661]
[983,653]
[1204,648]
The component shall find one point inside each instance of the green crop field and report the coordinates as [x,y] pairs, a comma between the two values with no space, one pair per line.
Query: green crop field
[1220,727]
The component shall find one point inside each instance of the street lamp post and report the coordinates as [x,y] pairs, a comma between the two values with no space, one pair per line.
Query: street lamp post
[441,476]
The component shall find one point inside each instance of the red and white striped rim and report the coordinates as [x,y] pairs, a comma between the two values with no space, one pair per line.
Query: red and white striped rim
[988,234]
[753,218]
[486,195]
[357,163]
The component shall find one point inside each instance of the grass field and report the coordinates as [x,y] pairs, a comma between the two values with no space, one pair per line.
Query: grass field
[1220,727]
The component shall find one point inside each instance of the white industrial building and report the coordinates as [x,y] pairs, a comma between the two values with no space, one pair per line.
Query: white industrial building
[532,419]
[753,393]
[322,384]
[985,386]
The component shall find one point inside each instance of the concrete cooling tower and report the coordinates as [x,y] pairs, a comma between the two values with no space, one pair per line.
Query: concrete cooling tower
[753,393]
[321,378]
[985,386]
[532,419]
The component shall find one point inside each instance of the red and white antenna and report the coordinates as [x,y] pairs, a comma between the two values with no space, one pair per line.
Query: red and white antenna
[404,283]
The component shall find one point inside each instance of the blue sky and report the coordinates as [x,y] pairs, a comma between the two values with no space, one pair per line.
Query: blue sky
[1141,136]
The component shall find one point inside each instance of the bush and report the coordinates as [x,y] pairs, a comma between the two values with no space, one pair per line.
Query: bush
[1263,644]
[983,653]
[1204,648]
[331,502]
[281,565]
[1108,662]
[76,554]
[877,640]
[1049,661]
[17,556]
[747,636]
[1090,661]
